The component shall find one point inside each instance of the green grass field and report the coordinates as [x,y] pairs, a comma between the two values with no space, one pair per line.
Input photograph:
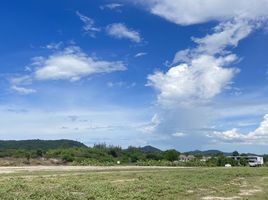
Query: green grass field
[181,183]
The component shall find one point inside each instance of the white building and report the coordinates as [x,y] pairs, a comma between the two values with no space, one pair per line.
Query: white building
[253,161]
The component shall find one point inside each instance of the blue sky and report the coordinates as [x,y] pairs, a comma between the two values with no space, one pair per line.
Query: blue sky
[169,73]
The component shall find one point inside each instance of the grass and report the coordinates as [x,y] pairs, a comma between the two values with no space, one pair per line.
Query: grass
[188,183]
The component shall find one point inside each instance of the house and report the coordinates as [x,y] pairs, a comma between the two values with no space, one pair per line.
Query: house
[186,158]
[205,158]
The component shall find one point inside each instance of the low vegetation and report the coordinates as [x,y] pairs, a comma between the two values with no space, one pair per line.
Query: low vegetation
[166,183]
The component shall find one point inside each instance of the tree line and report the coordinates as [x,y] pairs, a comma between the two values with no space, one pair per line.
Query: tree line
[102,154]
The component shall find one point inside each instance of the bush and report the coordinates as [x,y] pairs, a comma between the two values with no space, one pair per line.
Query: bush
[67,157]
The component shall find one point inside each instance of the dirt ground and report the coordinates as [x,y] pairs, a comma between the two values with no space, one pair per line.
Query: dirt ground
[5,170]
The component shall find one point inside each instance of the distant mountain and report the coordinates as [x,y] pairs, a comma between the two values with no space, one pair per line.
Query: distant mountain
[208,153]
[39,144]
[149,149]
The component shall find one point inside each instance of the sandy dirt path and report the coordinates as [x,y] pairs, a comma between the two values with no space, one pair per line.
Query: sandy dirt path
[5,170]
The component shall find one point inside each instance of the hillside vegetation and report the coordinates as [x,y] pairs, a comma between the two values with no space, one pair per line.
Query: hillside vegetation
[38,144]
[40,152]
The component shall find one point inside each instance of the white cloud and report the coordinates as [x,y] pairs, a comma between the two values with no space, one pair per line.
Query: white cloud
[140,54]
[121,31]
[203,72]
[258,136]
[23,90]
[197,75]
[199,81]
[186,12]
[72,64]
[178,134]
[112,6]
[89,25]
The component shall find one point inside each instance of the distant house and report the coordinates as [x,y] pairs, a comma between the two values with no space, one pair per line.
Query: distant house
[205,158]
[186,158]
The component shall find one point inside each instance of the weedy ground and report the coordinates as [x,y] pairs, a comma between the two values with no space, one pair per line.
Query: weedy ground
[180,183]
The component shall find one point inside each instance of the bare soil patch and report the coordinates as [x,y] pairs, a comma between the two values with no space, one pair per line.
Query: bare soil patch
[5,170]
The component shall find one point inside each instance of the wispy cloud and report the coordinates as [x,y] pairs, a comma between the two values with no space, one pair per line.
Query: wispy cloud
[23,90]
[121,31]
[121,84]
[89,25]
[178,134]
[21,80]
[112,6]
[152,126]
[20,84]
[141,54]
[54,45]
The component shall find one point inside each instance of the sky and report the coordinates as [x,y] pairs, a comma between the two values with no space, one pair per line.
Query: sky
[182,74]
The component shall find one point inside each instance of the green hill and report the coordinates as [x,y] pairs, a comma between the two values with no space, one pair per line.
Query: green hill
[208,153]
[39,144]
[149,149]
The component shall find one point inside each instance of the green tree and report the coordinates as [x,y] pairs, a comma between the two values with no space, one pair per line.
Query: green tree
[171,155]
[235,153]
[243,162]
[39,153]
[199,156]
[28,156]
[154,156]
[67,157]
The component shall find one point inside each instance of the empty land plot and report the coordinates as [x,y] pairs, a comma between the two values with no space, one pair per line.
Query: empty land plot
[133,183]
